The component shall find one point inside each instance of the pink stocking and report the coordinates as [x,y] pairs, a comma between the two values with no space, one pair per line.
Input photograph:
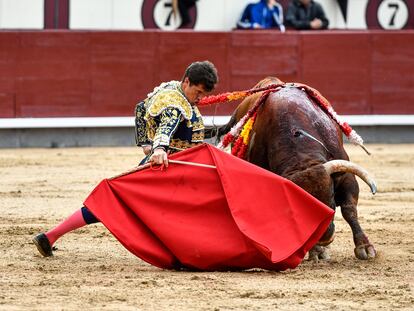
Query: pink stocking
[73,222]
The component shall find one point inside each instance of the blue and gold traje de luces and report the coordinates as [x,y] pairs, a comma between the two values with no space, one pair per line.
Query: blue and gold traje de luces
[167,119]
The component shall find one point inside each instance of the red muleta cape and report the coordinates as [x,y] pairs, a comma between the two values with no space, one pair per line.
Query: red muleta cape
[237,216]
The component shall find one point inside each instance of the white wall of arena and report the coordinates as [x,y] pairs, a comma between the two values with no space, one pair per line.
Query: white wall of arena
[212,15]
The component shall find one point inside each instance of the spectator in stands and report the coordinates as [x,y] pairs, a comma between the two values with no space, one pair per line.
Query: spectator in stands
[184,6]
[306,14]
[262,15]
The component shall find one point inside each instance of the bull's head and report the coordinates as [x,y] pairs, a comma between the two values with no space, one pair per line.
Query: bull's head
[318,180]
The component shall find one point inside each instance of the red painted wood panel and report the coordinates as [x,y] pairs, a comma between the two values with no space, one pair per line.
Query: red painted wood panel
[53,74]
[86,73]
[9,47]
[257,54]
[122,70]
[7,106]
[392,73]
[339,67]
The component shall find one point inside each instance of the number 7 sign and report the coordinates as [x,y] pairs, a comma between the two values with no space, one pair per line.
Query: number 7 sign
[389,14]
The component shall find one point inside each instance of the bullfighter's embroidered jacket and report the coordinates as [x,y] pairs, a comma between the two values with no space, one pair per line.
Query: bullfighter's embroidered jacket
[166,119]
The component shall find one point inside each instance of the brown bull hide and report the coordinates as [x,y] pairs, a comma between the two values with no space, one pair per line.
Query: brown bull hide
[293,137]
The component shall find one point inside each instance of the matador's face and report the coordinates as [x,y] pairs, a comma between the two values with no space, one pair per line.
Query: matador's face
[193,92]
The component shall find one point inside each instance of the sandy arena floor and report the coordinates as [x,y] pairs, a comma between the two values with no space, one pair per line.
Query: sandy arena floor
[91,270]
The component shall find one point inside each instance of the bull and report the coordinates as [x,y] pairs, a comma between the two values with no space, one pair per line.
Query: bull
[294,138]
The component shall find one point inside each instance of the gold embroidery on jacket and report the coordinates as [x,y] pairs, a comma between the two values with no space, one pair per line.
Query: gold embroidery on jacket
[151,128]
[162,119]
[196,123]
[169,99]
[170,119]
[197,136]
[182,145]
[140,125]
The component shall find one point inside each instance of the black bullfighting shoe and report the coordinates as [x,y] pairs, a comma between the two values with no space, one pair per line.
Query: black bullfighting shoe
[43,245]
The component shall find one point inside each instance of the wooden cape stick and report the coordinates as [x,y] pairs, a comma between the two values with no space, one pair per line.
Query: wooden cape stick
[146,165]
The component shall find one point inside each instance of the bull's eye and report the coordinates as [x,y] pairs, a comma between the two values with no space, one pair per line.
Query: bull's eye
[296,134]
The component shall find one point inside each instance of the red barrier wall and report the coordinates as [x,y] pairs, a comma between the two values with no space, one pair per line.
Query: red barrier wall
[76,73]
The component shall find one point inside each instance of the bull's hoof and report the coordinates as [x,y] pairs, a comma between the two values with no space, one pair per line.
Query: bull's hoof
[317,253]
[324,255]
[365,251]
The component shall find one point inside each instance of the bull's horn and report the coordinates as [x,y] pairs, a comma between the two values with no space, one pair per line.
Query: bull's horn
[336,166]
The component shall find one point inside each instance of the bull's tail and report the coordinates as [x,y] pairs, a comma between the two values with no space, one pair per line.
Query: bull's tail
[223,130]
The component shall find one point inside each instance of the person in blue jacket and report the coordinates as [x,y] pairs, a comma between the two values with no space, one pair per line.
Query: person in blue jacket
[262,15]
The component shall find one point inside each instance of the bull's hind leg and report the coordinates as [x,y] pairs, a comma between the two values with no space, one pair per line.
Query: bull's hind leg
[346,196]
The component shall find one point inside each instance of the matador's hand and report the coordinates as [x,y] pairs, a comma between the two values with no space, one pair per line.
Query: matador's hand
[146,149]
[159,157]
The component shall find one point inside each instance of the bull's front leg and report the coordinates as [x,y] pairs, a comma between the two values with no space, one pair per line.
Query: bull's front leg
[347,198]
[324,191]
[318,252]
